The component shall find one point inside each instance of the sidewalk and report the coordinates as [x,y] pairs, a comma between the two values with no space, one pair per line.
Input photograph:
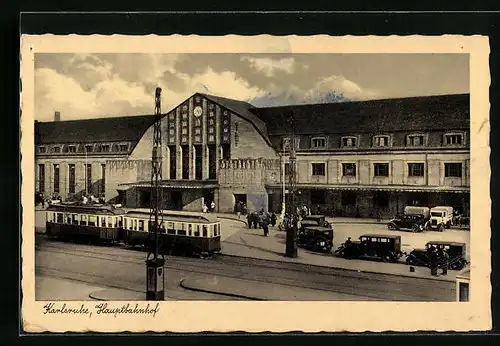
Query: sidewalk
[241,288]
[334,220]
[252,243]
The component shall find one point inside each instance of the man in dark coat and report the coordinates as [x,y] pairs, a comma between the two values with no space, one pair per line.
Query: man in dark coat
[273,219]
[264,223]
[444,260]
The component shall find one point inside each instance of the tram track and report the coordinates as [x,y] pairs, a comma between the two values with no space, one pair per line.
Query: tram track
[266,264]
[357,284]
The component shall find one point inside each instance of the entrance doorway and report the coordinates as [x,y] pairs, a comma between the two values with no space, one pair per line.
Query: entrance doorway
[176,200]
[239,199]
[208,198]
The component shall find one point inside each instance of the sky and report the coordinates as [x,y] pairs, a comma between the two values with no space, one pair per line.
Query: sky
[83,86]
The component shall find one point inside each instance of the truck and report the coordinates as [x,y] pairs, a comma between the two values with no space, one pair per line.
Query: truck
[441,218]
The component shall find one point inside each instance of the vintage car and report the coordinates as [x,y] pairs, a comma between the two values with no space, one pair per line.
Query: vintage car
[316,238]
[414,219]
[313,220]
[441,218]
[456,253]
[373,246]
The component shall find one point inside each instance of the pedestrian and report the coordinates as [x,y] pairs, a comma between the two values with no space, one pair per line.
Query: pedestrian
[273,219]
[205,208]
[434,262]
[264,223]
[212,206]
[238,209]
[444,261]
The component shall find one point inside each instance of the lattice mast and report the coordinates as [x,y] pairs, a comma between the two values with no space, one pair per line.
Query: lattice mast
[291,243]
[155,216]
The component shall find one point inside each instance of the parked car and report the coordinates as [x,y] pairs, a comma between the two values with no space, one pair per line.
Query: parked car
[441,218]
[373,246]
[414,219]
[316,238]
[456,253]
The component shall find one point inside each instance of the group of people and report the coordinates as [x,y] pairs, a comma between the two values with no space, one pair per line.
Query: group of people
[209,207]
[262,220]
[439,259]
[240,208]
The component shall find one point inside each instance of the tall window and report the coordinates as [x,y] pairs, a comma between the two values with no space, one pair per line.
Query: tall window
[318,169]
[415,140]
[453,170]
[173,161]
[348,142]
[71,186]
[89,178]
[41,178]
[349,169]
[56,178]
[185,162]
[319,142]
[381,169]
[415,169]
[103,178]
[381,141]
[453,139]
[212,162]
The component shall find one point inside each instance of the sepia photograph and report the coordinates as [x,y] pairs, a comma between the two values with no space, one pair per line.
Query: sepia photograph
[274,175]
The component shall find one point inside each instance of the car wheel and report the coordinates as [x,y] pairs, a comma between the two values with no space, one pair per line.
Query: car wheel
[409,261]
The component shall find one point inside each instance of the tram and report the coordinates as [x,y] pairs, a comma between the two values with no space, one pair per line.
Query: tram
[87,222]
[183,232]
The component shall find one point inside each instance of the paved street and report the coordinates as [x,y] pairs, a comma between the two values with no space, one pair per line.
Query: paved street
[121,271]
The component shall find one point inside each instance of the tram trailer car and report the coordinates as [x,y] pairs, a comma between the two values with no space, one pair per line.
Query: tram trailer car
[183,232]
[94,223]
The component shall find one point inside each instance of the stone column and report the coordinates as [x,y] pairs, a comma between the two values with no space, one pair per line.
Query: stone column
[178,142]
[204,140]
[190,141]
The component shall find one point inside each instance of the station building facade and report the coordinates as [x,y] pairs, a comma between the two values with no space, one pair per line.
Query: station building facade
[353,158]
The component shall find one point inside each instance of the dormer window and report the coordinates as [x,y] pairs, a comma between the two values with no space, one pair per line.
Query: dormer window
[56,149]
[72,148]
[380,141]
[42,150]
[318,142]
[416,140]
[105,148]
[454,139]
[88,148]
[349,142]
[285,143]
[123,147]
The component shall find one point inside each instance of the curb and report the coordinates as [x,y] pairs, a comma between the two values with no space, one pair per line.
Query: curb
[344,269]
[232,219]
[234,295]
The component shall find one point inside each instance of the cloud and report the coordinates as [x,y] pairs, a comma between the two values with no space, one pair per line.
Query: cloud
[88,86]
[269,66]
[343,86]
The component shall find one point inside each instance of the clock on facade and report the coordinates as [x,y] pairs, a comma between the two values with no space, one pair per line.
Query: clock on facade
[197,111]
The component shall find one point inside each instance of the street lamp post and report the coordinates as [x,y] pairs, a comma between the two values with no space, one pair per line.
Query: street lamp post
[155,265]
[291,227]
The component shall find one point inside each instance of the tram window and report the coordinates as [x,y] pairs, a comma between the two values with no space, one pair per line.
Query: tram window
[197,232]
[83,220]
[92,220]
[190,228]
[181,232]
[190,233]
[74,218]
[120,221]
[141,225]
[205,231]
[110,221]
[60,218]
[68,219]
[103,222]
[171,231]
[134,227]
